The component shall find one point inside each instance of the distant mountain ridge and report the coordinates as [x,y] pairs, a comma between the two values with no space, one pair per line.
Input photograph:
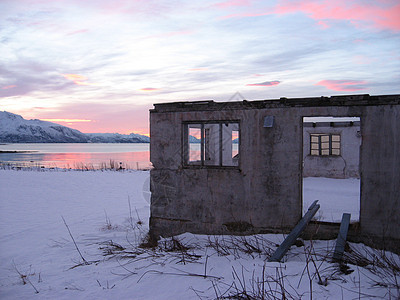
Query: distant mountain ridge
[15,129]
[117,138]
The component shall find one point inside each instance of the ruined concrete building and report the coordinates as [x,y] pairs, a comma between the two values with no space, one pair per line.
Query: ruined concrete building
[237,167]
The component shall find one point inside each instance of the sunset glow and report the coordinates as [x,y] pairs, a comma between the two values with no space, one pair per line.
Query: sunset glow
[149,89]
[8,87]
[67,120]
[77,79]
[98,66]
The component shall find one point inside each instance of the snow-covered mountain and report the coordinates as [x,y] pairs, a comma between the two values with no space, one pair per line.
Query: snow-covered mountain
[194,140]
[117,138]
[15,129]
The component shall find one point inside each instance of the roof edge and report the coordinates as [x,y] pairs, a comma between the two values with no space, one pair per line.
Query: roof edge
[340,100]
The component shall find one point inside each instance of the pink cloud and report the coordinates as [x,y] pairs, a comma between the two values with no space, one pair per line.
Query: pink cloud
[323,24]
[343,85]
[76,78]
[266,83]
[8,87]
[380,14]
[149,89]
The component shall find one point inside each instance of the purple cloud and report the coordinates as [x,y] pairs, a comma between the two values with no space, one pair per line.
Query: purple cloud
[266,83]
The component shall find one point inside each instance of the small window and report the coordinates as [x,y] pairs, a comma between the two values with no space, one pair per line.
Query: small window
[324,144]
[195,137]
[211,144]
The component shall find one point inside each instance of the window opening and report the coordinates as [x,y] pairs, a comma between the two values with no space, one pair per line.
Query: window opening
[324,144]
[194,131]
[230,154]
[235,145]
[212,144]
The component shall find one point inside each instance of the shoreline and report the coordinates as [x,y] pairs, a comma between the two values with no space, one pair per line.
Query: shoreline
[18,151]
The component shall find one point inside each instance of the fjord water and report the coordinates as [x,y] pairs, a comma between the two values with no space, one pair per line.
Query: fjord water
[79,155]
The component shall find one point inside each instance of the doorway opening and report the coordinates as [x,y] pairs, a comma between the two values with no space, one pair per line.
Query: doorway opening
[331,158]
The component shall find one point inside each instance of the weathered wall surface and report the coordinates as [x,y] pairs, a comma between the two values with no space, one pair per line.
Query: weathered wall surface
[264,193]
[380,172]
[255,196]
[345,165]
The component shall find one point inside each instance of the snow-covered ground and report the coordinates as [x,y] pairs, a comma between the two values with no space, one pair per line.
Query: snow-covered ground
[107,214]
[335,196]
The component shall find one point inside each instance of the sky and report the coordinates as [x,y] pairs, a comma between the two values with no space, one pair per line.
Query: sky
[100,65]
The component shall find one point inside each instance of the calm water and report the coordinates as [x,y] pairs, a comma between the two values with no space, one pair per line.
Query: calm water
[132,156]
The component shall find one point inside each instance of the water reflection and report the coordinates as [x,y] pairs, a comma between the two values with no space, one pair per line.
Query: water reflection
[67,157]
